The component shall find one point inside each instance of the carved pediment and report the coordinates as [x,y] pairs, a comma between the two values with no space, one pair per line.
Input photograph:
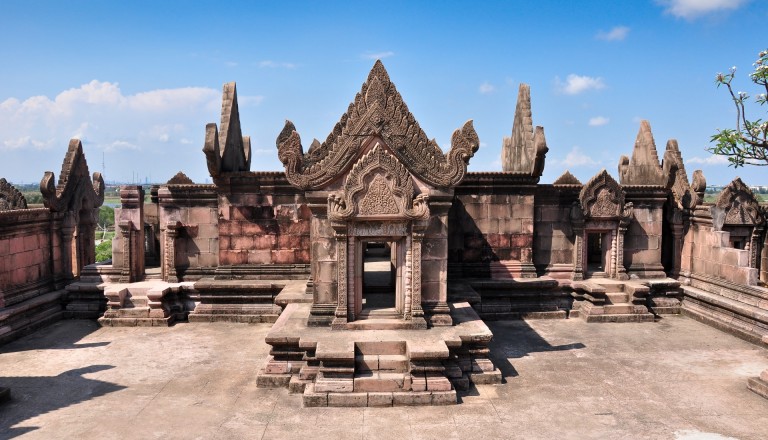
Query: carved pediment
[76,189]
[10,197]
[378,110]
[738,204]
[378,186]
[643,168]
[567,179]
[227,151]
[602,197]
[180,179]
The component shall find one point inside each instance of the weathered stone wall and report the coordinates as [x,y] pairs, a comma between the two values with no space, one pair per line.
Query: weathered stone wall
[491,227]
[642,241]
[263,220]
[553,241]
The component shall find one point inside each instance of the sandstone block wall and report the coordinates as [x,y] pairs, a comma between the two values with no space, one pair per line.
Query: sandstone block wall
[553,240]
[712,256]
[29,253]
[642,241]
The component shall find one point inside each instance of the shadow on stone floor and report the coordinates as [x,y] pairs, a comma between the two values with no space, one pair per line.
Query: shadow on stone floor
[516,339]
[37,395]
[56,336]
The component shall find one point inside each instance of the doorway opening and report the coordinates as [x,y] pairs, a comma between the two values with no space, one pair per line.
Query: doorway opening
[598,249]
[379,290]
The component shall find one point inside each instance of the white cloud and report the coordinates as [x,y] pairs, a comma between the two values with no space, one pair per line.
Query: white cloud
[711,160]
[598,121]
[231,64]
[486,88]
[276,64]
[575,84]
[575,158]
[618,33]
[377,55]
[692,9]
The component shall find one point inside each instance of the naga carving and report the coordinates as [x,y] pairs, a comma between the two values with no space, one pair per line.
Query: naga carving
[378,186]
[10,197]
[738,203]
[76,189]
[378,110]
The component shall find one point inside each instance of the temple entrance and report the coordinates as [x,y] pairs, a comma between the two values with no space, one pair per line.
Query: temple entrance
[598,253]
[379,270]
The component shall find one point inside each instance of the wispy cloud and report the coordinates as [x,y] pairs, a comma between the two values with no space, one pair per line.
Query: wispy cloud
[231,64]
[575,84]
[597,121]
[377,55]
[618,33]
[576,158]
[710,160]
[693,9]
[269,64]
[486,88]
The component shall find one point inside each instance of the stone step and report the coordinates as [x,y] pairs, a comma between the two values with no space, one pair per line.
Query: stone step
[613,288]
[377,381]
[384,362]
[380,324]
[380,347]
[616,297]
[618,309]
[136,301]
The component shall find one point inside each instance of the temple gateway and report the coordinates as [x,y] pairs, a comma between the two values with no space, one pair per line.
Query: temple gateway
[378,258]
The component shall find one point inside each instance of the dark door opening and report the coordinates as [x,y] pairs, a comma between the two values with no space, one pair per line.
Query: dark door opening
[598,245]
[378,278]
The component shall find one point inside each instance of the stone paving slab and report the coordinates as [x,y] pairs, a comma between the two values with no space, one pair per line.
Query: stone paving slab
[566,379]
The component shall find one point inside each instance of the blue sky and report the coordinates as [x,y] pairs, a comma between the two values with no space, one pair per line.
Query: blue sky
[138,81]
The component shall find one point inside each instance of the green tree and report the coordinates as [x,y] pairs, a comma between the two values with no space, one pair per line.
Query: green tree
[106,219]
[747,144]
[104,251]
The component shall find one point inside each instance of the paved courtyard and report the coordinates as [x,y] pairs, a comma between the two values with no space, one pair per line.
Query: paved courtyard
[674,379]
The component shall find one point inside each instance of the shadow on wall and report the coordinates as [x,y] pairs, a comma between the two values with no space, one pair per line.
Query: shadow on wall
[57,337]
[185,248]
[36,395]
[469,252]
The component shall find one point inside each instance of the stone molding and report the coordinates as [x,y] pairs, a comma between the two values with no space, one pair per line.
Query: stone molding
[10,198]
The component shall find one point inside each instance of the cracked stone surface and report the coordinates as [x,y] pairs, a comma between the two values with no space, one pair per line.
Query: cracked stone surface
[674,379]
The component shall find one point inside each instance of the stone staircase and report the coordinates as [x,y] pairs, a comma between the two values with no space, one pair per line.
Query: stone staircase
[146,303]
[380,367]
[604,300]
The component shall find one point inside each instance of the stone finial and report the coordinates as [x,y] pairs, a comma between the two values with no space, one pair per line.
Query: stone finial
[227,151]
[526,150]
[677,178]
[699,185]
[378,111]
[10,197]
[76,189]
[567,179]
[180,179]
[644,167]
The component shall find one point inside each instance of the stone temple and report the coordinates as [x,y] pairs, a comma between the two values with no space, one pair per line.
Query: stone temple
[378,258]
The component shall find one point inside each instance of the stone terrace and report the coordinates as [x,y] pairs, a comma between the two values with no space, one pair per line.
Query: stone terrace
[564,379]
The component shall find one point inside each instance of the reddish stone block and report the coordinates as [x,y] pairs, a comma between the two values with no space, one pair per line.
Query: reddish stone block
[303,256]
[259,257]
[241,242]
[283,257]
[288,241]
[233,257]
[305,213]
[249,228]
[264,242]
[224,242]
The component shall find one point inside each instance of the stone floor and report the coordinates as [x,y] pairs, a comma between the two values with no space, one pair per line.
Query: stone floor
[674,379]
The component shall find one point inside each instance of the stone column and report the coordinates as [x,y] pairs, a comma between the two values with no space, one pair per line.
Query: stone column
[169,245]
[677,248]
[68,252]
[578,254]
[340,315]
[754,246]
[621,271]
[126,229]
[416,309]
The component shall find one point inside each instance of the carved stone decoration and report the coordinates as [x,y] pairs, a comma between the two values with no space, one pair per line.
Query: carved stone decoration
[10,197]
[76,189]
[180,179]
[602,197]
[739,205]
[699,185]
[526,150]
[227,151]
[378,186]
[644,167]
[567,179]
[378,110]
[677,179]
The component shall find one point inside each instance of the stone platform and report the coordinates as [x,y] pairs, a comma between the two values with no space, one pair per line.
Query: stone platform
[564,379]
[375,366]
